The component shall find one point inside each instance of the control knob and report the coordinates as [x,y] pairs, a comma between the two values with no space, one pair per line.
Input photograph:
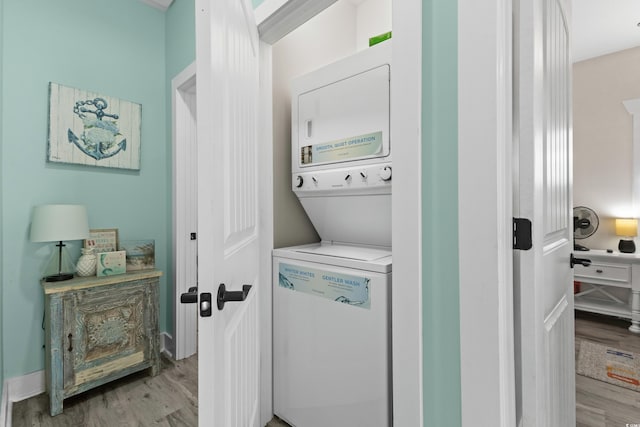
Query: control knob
[385,173]
[299,181]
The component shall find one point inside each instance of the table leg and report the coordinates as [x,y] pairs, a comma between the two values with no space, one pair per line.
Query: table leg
[635,312]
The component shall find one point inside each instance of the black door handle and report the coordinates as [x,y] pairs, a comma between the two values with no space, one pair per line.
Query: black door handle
[582,261]
[229,296]
[190,297]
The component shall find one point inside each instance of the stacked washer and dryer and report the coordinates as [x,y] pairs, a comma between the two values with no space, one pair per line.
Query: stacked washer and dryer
[332,300]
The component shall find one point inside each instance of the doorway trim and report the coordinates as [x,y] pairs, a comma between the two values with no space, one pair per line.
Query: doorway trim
[406,210]
[485,227]
[633,108]
[265,225]
[185,189]
[406,289]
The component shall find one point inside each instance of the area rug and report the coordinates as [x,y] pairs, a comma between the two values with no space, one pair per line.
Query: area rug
[609,364]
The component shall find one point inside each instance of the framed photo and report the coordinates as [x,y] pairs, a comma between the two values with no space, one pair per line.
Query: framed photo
[102,240]
[111,263]
[92,129]
[141,254]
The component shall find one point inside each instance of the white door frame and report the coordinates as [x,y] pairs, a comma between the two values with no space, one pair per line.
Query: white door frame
[485,217]
[185,195]
[406,100]
[265,223]
[493,309]
[406,212]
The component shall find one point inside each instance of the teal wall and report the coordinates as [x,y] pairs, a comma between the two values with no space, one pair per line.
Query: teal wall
[256,3]
[441,326]
[116,48]
[180,39]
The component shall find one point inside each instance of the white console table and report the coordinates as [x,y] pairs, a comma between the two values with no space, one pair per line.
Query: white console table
[609,270]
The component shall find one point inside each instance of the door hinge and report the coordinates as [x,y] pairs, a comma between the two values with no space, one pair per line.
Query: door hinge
[522,234]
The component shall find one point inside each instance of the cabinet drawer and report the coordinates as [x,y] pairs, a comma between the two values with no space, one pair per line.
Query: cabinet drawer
[604,272]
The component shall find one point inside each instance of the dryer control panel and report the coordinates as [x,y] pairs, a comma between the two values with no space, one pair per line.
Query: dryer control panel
[370,179]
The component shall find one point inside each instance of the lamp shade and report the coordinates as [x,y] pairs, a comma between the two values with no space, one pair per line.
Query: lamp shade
[51,223]
[626,227]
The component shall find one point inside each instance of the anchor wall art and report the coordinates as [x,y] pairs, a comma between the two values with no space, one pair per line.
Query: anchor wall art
[92,129]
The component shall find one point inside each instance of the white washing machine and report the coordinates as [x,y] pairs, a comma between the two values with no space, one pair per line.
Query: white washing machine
[332,300]
[332,336]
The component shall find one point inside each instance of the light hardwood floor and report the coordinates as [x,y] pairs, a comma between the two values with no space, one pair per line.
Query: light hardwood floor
[599,404]
[170,399]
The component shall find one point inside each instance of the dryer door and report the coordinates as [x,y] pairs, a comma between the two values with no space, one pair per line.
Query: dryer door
[345,121]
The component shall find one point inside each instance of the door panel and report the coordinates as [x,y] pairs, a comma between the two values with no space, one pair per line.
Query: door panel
[227,101]
[240,160]
[242,364]
[560,365]
[544,286]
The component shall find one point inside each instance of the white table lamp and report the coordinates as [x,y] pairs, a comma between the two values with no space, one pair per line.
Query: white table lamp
[56,223]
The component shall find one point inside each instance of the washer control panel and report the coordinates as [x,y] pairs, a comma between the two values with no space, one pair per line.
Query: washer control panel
[375,177]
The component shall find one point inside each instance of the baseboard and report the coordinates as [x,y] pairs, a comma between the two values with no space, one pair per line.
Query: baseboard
[5,406]
[167,345]
[17,389]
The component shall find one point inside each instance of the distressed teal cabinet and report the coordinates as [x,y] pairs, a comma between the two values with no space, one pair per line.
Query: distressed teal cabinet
[99,329]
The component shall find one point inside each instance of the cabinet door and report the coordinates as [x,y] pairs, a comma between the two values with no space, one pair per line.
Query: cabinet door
[104,332]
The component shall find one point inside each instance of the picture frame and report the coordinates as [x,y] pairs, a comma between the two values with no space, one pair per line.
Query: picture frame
[111,263]
[140,254]
[93,129]
[102,240]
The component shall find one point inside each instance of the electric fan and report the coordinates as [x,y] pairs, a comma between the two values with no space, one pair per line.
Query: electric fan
[585,223]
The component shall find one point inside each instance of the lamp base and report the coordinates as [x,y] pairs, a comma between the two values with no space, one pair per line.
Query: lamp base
[59,267]
[627,246]
[58,277]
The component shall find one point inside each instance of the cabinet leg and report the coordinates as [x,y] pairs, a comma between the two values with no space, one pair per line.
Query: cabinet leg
[55,358]
[154,369]
[635,312]
[55,404]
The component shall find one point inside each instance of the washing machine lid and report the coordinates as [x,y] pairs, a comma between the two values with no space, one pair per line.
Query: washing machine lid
[359,253]
[366,258]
